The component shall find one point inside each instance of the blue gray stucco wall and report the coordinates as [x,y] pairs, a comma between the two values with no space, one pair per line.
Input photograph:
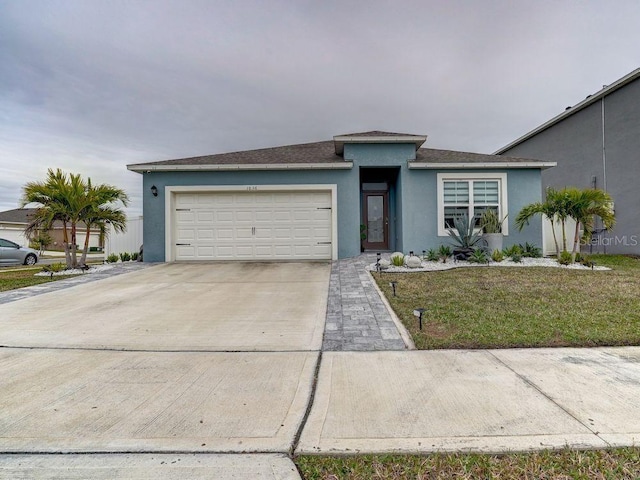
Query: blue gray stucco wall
[415,198]
[420,207]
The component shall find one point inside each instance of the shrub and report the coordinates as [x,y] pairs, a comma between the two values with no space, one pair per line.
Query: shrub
[497,256]
[444,252]
[478,256]
[512,250]
[125,257]
[112,258]
[565,258]
[530,250]
[54,267]
[516,258]
[490,221]
[579,257]
[432,255]
[397,259]
[134,256]
[586,261]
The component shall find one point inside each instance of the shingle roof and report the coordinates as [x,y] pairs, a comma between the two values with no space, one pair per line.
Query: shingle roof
[17,215]
[432,155]
[318,154]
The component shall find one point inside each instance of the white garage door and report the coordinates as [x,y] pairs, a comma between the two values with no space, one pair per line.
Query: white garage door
[252,225]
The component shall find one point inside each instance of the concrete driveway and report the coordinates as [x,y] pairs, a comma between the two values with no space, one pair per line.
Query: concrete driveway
[206,358]
[179,307]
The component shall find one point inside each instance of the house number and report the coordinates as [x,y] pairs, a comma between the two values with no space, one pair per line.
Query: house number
[252,188]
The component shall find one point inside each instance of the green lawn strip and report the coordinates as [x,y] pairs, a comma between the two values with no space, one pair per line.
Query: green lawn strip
[25,277]
[621,463]
[508,307]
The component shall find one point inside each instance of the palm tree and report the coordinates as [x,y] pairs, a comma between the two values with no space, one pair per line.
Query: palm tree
[584,206]
[570,202]
[69,199]
[554,208]
[99,212]
[54,197]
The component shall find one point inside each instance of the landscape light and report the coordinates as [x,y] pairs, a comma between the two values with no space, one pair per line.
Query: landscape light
[418,313]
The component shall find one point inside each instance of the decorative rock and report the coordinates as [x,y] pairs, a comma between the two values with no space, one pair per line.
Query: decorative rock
[384,264]
[413,262]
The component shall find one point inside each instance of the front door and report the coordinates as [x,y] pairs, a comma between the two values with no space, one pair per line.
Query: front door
[376,220]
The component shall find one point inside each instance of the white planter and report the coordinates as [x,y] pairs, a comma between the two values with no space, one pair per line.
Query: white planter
[494,241]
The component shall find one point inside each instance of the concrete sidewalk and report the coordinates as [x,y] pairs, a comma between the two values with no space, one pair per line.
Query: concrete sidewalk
[480,401]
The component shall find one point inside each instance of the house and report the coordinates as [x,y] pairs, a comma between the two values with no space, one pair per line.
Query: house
[309,201]
[596,143]
[13,222]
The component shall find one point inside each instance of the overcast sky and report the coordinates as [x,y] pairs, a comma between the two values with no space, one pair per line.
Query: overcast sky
[91,86]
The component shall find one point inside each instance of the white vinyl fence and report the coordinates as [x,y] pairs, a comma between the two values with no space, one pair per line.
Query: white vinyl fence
[128,241]
[548,245]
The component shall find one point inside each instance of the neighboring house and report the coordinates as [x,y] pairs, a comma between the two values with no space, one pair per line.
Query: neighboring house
[308,201]
[596,143]
[13,222]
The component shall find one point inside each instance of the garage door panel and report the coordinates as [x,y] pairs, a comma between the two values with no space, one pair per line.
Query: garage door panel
[263,233]
[224,216]
[263,215]
[185,216]
[244,233]
[205,252]
[225,251]
[246,225]
[244,216]
[204,234]
[186,234]
[204,216]
[223,234]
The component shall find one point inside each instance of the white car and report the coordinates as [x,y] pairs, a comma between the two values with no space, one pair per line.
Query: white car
[12,253]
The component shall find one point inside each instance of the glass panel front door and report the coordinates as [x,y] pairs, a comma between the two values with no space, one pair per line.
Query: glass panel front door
[377,221]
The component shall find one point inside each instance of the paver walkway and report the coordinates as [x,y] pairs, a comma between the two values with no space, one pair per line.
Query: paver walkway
[357,318]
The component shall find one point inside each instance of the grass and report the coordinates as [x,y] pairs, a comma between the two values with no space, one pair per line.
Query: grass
[508,307]
[24,277]
[622,463]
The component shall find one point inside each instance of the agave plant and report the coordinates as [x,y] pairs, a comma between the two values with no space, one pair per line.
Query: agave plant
[464,235]
[465,238]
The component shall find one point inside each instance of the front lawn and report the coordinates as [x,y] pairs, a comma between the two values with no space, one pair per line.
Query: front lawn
[507,307]
[24,277]
[622,463]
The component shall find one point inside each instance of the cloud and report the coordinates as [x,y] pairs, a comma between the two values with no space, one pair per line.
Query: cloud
[91,86]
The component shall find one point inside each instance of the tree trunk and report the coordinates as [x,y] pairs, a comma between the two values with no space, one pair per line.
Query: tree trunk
[576,241]
[83,259]
[74,260]
[65,244]
[564,236]
[555,237]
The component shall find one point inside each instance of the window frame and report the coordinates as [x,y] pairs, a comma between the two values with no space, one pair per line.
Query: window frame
[503,204]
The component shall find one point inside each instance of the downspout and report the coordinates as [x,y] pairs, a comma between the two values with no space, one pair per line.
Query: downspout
[604,151]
